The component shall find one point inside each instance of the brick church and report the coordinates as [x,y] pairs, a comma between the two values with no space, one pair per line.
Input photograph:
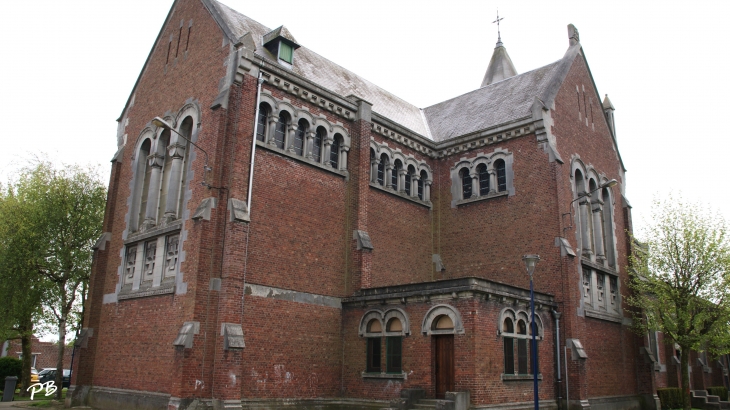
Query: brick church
[281,232]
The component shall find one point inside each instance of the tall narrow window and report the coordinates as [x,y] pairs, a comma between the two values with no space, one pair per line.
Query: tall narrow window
[421,185]
[166,174]
[394,354]
[280,132]
[261,126]
[374,347]
[509,347]
[187,42]
[522,348]
[483,180]
[186,129]
[146,173]
[179,36]
[396,172]
[465,183]
[335,152]
[317,144]
[501,175]
[381,169]
[299,137]
[408,183]
[131,261]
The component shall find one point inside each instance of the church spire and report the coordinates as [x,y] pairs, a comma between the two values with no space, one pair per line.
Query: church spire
[500,66]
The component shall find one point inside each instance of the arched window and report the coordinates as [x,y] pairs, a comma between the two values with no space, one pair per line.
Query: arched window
[319,136]
[262,120]
[186,129]
[335,152]
[300,137]
[422,186]
[409,173]
[145,172]
[280,131]
[398,166]
[394,347]
[465,183]
[483,179]
[443,322]
[381,169]
[501,175]
[509,346]
[163,142]
[608,240]
[374,346]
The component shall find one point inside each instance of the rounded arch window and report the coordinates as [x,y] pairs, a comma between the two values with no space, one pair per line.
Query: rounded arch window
[421,181]
[501,175]
[300,136]
[394,325]
[374,326]
[521,327]
[261,126]
[508,326]
[335,151]
[319,136]
[280,132]
[483,179]
[381,169]
[465,183]
[397,167]
[443,322]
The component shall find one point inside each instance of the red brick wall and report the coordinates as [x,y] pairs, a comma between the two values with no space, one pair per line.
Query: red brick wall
[46,353]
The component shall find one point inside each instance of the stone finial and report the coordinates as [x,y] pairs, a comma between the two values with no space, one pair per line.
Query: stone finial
[573,35]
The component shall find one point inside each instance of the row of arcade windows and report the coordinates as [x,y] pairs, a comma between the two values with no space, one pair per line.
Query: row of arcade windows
[520,337]
[299,139]
[485,181]
[595,219]
[152,260]
[395,176]
[160,178]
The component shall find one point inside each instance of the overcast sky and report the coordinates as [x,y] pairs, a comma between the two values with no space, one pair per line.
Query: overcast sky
[67,68]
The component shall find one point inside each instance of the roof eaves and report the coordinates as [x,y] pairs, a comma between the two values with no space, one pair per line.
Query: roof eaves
[214,10]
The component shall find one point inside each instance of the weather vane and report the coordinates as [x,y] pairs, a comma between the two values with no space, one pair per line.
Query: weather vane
[499,35]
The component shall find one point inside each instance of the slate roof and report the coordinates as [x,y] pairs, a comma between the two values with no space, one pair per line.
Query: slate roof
[502,102]
[498,103]
[329,75]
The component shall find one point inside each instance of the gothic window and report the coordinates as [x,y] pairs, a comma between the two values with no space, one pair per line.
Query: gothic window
[465,183]
[499,166]
[319,136]
[262,120]
[280,131]
[163,142]
[300,137]
[483,179]
[335,152]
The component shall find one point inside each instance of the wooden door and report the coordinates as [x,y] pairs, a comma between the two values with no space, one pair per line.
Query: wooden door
[444,364]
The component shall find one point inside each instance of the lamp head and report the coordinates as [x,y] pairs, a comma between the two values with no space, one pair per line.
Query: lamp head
[530,262]
[609,183]
[159,122]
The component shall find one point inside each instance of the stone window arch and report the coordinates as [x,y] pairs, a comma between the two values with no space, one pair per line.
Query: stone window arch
[395,175]
[300,136]
[515,330]
[263,120]
[487,175]
[319,136]
[280,131]
[438,317]
[393,326]
[335,154]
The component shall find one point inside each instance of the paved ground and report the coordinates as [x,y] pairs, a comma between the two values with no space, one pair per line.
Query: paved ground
[25,405]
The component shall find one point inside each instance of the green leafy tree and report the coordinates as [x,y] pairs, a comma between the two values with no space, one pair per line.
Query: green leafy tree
[680,279]
[63,210]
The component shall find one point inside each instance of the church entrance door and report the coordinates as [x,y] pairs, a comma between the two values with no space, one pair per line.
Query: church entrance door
[444,364]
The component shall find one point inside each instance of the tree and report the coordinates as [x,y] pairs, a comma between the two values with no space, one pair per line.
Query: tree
[64,210]
[680,280]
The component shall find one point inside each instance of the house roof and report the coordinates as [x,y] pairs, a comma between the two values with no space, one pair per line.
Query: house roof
[502,102]
[505,100]
[329,75]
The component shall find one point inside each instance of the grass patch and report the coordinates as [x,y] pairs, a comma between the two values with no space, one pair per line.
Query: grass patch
[39,397]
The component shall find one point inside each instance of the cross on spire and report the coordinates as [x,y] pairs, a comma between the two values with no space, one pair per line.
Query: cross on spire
[499,35]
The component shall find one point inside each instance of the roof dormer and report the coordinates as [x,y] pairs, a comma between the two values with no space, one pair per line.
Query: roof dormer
[281,44]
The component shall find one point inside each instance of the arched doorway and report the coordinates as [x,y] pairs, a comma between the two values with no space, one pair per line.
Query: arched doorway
[441,323]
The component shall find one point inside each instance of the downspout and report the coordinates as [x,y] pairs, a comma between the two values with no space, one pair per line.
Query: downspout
[556,315]
[253,143]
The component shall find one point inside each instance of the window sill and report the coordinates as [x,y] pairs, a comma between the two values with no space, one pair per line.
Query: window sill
[167,287]
[366,375]
[393,192]
[519,377]
[272,148]
[598,266]
[154,232]
[481,198]
[611,317]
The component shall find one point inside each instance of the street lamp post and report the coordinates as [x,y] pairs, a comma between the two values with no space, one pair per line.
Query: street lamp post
[530,262]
